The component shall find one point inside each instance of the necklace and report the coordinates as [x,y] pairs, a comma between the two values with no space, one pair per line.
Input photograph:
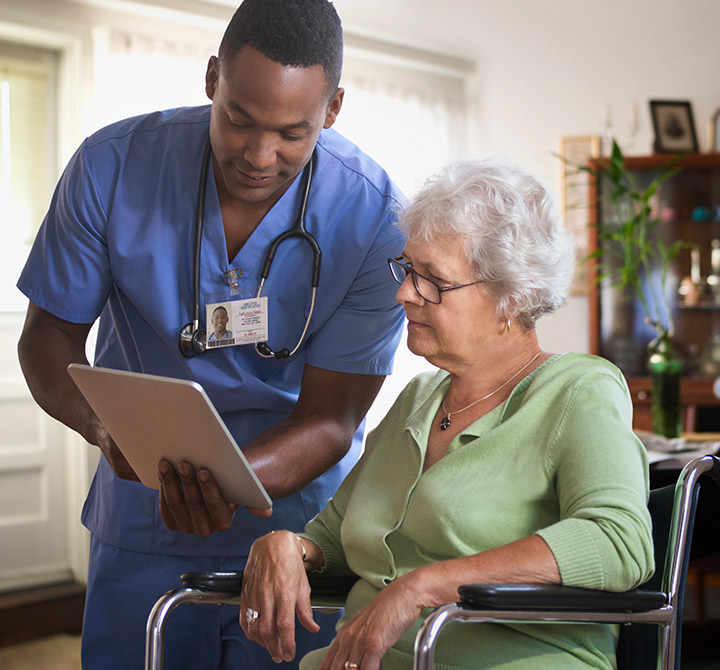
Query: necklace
[445,421]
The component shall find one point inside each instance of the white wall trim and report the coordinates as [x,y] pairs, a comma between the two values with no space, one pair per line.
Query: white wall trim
[408,57]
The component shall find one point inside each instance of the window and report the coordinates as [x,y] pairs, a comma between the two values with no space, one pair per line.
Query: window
[27,157]
[408,112]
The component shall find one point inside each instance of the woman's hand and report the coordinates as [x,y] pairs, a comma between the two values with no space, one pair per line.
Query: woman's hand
[275,585]
[366,637]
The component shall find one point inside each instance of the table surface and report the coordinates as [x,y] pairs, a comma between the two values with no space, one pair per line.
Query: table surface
[678,452]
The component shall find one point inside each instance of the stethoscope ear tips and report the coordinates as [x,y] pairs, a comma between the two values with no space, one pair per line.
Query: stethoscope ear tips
[191,342]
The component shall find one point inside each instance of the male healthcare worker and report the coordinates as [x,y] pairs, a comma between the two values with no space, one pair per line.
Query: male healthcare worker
[118,243]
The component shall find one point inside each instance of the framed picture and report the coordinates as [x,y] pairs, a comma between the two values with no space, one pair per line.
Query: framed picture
[673,125]
[574,194]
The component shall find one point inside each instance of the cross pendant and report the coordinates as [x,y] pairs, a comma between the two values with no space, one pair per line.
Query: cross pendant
[445,423]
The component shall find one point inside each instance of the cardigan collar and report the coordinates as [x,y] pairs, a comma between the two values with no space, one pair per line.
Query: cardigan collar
[418,423]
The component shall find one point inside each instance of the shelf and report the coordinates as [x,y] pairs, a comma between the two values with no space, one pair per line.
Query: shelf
[698,308]
[690,222]
[693,390]
[699,161]
[617,328]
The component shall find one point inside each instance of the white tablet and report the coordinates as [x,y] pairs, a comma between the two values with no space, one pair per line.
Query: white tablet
[152,417]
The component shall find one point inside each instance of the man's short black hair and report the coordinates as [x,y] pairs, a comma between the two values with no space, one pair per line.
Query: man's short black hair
[300,33]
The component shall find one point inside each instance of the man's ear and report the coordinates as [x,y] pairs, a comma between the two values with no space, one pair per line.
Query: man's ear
[211,77]
[334,108]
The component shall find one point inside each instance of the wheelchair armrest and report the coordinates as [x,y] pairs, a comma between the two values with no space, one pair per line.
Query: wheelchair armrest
[227,582]
[557,597]
[323,587]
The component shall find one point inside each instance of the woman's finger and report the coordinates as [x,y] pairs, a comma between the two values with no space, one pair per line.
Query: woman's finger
[304,609]
[274,583]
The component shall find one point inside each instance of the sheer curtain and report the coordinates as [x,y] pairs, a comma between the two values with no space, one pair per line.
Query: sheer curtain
[135,74]
[412,121]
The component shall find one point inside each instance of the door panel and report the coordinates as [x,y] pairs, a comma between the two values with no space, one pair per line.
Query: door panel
[34,508]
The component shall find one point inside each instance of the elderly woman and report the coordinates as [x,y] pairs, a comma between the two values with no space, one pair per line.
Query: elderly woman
[509,464]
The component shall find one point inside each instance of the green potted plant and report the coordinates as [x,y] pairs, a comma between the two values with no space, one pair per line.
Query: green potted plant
[632,257]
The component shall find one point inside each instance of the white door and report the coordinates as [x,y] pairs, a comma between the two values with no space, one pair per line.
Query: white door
[34,507]
[43,466]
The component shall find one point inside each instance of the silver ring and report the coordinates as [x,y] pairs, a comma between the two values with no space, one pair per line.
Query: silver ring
[349,665]
[251,616]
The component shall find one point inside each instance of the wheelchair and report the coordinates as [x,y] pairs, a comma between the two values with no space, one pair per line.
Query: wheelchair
[650,616]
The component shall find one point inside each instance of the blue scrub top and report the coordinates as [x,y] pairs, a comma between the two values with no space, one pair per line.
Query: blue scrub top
[117,243]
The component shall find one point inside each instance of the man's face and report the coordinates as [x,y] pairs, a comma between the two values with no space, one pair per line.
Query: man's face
[219,320]
[265,121]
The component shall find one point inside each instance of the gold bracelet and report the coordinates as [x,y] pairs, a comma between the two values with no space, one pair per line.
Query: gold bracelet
[302,548]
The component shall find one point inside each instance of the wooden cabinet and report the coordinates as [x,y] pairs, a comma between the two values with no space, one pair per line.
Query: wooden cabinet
[689,208]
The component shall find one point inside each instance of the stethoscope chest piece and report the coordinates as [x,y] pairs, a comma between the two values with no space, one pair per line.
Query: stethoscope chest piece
[192,340]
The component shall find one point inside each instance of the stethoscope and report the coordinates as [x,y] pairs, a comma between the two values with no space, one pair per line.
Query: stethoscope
[192,338]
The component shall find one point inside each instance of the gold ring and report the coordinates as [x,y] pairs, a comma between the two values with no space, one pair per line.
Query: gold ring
[349,665]
[251,616]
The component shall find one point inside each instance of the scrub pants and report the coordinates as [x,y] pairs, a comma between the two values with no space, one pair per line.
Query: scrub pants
[122,589]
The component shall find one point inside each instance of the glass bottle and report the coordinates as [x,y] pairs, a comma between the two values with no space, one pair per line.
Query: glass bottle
[665,372]
[690,287]
[712,281]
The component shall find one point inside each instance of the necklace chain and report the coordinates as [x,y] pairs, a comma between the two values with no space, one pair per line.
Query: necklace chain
[445,421]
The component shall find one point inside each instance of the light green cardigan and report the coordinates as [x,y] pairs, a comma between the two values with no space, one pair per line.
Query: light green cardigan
[557,458]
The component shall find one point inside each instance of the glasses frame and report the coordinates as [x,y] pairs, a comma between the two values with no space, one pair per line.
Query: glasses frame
[409,270]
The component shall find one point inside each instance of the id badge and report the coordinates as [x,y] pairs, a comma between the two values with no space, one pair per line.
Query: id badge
[235,322]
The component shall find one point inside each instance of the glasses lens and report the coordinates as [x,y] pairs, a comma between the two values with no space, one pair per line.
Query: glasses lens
[398,269]
[427,290]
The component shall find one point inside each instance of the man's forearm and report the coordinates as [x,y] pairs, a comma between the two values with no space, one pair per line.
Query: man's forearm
[45,351]
[331,406]
[290,455]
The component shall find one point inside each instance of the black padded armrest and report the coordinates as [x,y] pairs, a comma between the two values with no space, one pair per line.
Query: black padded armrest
[227,582]
[557,597]
[231,582]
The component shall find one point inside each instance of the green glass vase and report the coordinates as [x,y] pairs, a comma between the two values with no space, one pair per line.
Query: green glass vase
[666,415]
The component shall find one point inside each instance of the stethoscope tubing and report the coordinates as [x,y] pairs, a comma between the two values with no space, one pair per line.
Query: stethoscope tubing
[199,217]
[297,230]
[189,336]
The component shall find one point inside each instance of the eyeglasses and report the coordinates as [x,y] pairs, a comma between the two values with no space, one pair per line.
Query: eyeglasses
[426,288]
